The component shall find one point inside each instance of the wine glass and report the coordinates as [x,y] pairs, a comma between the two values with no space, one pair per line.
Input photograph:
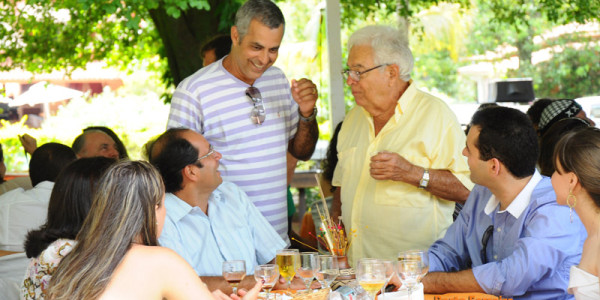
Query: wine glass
[390,271]
[420,255]
[308,267]
[410,273]
[370,274]
[268,274]
[288,261]
[328,270]
[234,271]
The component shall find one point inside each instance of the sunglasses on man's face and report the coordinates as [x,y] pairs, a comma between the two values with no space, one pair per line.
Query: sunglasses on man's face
[257,115]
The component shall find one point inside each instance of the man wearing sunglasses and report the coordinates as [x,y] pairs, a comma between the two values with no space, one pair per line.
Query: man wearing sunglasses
[511,238]
[245,107]
[400,170]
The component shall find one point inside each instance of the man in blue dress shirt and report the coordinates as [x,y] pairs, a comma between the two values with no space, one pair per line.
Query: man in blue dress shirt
[208,221]
[511,239]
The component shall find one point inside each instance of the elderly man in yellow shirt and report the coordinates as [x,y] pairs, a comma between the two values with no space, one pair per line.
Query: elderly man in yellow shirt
[400,166]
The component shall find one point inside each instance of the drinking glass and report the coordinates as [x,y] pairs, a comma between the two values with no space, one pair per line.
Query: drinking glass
[410,273]
[288,261]
[234,271]
[370,274]
[328,270]
[268,274]
[420,255]
[308,267]
[390,271]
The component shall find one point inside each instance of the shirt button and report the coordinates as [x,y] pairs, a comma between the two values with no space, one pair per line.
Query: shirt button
[495,257]
[499,229]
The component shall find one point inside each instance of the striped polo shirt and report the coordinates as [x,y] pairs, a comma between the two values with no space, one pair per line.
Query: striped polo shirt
[213,102]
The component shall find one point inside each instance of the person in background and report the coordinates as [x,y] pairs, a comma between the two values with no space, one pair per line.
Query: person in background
[400,170]
[116,255]
[549,140]
[576,183]
[511,238]
[95,143]
[245,107]
[69,204]
[558,110]
[119,144]
[22,210]
[535,111]
[215,49]
[9,185]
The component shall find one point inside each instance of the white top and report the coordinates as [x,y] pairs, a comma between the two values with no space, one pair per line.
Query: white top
[22,211]
[583,285]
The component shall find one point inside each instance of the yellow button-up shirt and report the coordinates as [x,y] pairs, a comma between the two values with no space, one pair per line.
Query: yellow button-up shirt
[385,216]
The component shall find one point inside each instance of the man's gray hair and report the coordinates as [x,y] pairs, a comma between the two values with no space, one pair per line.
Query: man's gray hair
[264,11]
[389,47]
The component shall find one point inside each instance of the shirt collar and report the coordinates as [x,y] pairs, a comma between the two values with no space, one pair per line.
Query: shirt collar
[518,205]
[177,208]
[408,94]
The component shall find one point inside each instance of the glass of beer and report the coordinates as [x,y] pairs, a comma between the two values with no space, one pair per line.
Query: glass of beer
[288,261]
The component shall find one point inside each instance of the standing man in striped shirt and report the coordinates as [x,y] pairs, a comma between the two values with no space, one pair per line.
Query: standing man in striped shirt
[245,107]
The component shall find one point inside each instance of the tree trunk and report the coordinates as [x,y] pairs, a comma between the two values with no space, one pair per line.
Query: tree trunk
[183,37]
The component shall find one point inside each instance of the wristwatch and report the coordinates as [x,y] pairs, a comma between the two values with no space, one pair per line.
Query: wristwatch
[309,118]
[424,180]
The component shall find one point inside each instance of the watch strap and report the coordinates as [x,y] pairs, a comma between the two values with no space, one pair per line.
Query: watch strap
[309,118]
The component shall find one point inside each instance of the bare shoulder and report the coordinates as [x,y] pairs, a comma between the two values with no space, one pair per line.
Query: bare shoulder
[155,255]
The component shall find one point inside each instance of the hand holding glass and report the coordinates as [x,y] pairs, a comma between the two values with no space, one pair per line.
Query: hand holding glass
[234,271]
[370,274]
[268,274]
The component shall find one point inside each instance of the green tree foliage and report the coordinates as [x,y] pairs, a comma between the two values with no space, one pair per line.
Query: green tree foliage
[45,35]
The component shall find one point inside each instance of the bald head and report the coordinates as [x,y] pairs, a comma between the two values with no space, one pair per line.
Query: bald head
[94,143]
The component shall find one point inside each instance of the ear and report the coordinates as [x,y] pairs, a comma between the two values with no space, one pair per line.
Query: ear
[574,184]
[188,172]
[234,35]
[495,166]
[392,72]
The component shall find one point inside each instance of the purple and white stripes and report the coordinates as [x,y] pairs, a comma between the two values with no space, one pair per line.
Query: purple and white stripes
[213,102]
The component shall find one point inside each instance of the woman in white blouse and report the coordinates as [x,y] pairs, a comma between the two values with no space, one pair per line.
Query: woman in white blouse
[576,182]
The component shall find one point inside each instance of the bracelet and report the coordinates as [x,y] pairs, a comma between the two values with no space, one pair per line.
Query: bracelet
[309,118]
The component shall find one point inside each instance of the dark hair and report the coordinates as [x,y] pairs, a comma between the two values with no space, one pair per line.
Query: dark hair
[579,152]
[535,110]
[48,160]
[170,153]
[507,135]
[120,146]
[69,204]
[331,158]
[264,11]
[220,43]
[551,138]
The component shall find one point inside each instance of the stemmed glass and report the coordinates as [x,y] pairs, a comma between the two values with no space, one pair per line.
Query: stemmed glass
[268,274]
[390,271]
[234,271]
[328,270]
[370,274]
[410,272]
[308,267]
[288,261]
[420,255]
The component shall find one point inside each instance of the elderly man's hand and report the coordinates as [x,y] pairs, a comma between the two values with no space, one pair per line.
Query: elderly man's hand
[391,166]
[305,93]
